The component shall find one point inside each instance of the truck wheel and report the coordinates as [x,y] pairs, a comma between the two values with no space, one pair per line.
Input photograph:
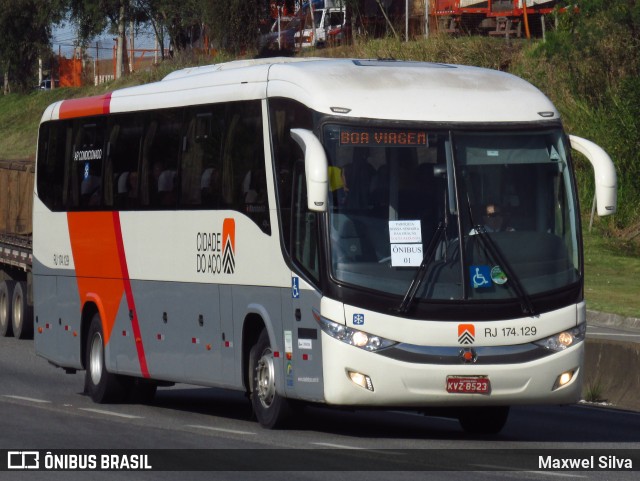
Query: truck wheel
[101,385]
[22,318]
[6,296]
[484,420]
[270,408]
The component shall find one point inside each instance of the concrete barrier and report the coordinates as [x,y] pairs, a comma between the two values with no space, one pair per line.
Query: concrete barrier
[613,369]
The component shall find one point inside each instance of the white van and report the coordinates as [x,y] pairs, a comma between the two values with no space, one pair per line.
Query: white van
[325,20]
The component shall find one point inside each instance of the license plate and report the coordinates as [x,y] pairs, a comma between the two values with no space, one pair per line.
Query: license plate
[468,384]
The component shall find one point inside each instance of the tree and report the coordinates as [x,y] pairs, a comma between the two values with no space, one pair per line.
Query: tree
[26,29]
[93,17]
[182,20]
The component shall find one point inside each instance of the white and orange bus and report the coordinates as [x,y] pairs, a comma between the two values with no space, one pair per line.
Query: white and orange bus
[321,231]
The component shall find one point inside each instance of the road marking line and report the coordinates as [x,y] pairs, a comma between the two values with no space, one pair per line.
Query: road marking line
[611,334]
[30,399]
[110,413]
[222,430]
[509,468]
[355,448]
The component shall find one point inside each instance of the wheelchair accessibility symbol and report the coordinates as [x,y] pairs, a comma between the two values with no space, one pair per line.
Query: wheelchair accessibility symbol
[295,287]
[480,276]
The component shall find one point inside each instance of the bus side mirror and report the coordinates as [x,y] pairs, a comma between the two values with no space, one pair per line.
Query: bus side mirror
[604,171]
[316,169]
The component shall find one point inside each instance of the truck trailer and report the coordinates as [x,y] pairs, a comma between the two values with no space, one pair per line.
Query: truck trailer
[16,201]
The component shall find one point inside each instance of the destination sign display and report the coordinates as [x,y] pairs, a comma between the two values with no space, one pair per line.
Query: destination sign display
[384,138]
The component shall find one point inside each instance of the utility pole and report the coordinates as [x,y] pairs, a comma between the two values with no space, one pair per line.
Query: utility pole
[121,40]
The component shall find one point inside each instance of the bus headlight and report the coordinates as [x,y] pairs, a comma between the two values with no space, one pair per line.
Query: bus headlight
[562,340]
[353,337]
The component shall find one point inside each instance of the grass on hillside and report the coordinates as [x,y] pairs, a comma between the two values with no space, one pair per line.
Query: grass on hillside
[612,274]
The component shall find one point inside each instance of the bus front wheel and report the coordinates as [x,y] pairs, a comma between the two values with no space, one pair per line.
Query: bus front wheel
[270,408]
[101,385]
[483,420]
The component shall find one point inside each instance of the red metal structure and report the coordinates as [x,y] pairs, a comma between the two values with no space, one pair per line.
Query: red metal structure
[495,17]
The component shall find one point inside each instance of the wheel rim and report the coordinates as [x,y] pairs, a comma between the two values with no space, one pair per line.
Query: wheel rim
[17,312]
[265,378]
[4,308]
[95,359]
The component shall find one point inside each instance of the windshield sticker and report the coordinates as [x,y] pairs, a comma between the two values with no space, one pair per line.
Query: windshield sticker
[405,232]
[405,237]
[358,319]
[493,153]
[554,155]
[480,276]
[498,276]
[406,255]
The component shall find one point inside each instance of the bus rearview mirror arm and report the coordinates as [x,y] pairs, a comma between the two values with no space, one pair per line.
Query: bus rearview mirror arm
[604,171]
[316,169]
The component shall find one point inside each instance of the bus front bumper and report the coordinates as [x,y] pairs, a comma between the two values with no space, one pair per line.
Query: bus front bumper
[355,377]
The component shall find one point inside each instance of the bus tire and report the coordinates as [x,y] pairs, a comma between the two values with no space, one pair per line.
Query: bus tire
[101,385]
[483,420]
[6,297]
[270,408]
[22,318]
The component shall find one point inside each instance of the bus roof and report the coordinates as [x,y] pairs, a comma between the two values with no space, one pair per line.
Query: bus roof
[372,89]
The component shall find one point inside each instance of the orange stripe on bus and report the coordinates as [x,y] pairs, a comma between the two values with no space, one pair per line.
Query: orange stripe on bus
[95,255]
[85,107]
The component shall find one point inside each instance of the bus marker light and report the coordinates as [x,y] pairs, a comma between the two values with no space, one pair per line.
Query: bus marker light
[208,347]
[160,337]
[305,357]
[39,330]
[75,333]
[228,344]
[195,340]
[276,354]
[289,356]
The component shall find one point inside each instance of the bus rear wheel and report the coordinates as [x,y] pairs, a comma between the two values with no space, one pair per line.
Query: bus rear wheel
[483,420]
[270,408]
[101,385]
[6,296]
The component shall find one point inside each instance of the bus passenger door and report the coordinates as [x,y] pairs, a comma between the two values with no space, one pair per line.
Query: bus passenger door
[303,372]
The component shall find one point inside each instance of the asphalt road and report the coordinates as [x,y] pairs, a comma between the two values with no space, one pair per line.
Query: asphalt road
[614,334]
[42,408]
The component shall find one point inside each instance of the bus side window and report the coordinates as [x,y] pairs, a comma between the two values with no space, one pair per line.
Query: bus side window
[244,185]
[200,161]
[160,153]
[286,114]
[51,163]
[121,177]
[85,186]
[304,230]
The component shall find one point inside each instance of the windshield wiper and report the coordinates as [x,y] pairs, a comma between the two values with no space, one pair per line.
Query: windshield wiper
[410,295]
[494,251]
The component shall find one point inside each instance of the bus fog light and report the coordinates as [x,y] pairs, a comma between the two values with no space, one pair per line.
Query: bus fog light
[563,379]
[361,380]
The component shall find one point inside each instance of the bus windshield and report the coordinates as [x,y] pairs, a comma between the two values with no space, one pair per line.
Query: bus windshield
[470,215]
